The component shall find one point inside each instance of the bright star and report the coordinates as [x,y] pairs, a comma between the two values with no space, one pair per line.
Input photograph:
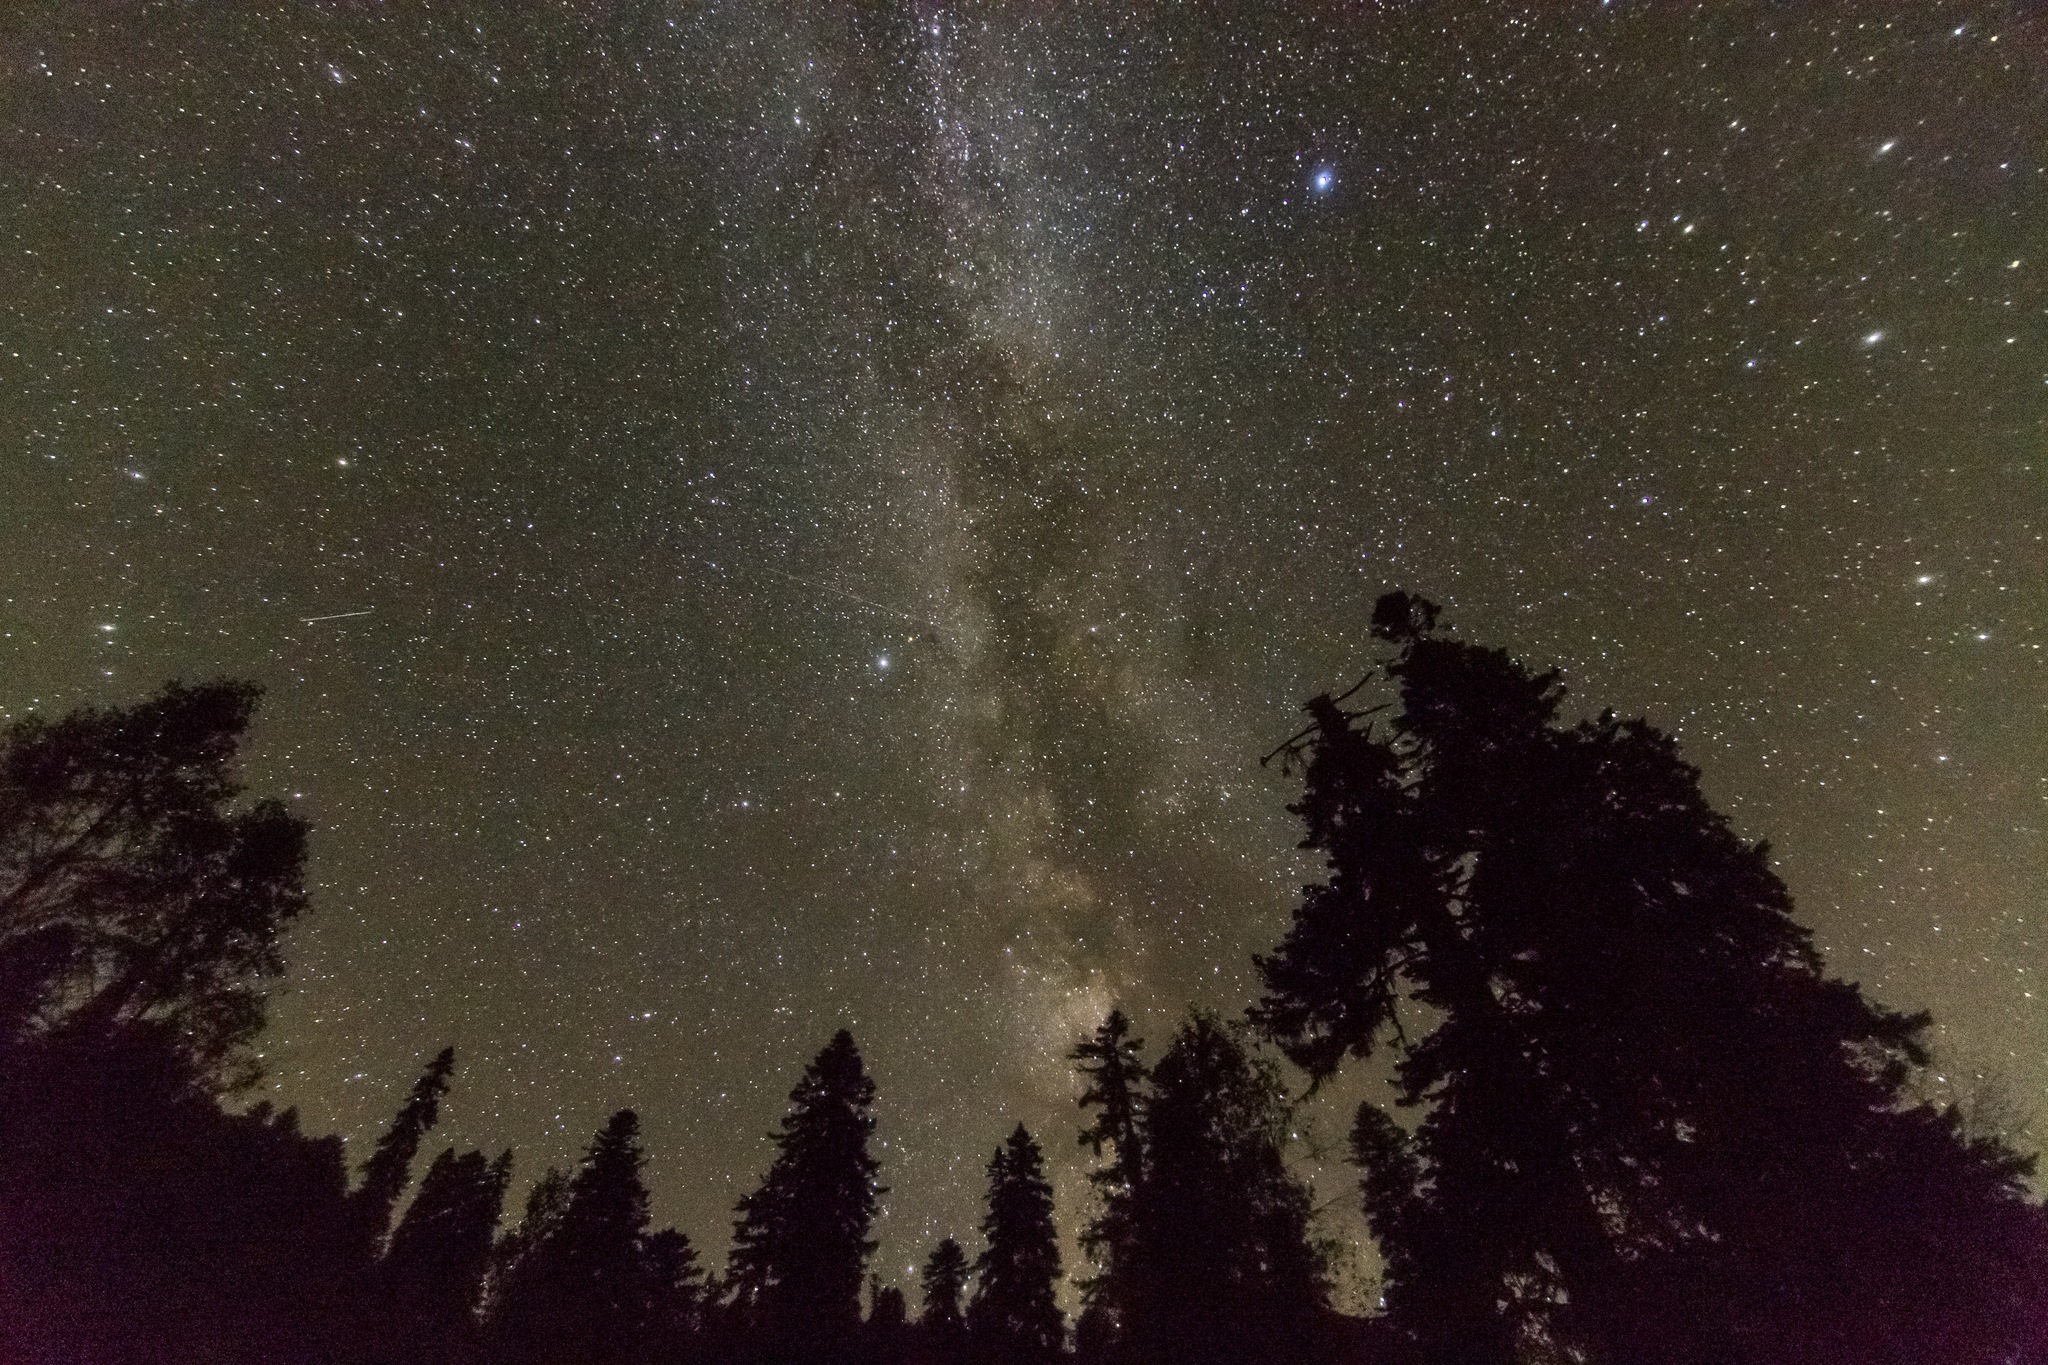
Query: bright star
[1323,180]
[883,662]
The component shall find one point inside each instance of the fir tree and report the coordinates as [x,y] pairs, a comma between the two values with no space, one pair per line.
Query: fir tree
[801,1243]
[1014,1317]
[887,1330]
[141,909]
[430,1282]
[1652,1127]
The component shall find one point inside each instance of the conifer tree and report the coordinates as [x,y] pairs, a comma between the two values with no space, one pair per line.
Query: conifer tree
[579,1288]
[1651,1126]
[887,1330]
[801,1244]
[1014,1317]
[1112,1069]
[141,911]
[675,1315]
[430,1282]
[388,1169]
[1218,1267]
[944,1281]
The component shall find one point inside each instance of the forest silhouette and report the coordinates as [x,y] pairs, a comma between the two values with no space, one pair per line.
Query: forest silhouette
[1636,1121]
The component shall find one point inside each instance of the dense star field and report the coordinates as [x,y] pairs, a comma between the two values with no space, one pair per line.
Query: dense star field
[762,519]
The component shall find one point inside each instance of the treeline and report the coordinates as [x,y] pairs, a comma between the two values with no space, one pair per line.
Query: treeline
[1635,1119]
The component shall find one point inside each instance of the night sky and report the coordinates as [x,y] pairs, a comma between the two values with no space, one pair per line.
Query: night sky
[757,519]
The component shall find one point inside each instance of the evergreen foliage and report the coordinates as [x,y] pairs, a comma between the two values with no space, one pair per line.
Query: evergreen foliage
[580,1286]
[140,911]
[1218,1265]
[1652,1127]
[801,1243]
[430,1282]
[388,1169]
[944,1281]
[1014,1317]
[1642,1124]
[1112,1069]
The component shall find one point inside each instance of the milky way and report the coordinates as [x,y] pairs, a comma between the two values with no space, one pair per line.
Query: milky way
[757,519]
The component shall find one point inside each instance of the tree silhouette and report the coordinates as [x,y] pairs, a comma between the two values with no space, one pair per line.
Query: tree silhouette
[389,1168]
[1112,1070]
[887,1330]
[801,1244]
[944,1281]
[133,894]
[579,1285]
[675,1313]
[1652,1127]
[1218,1265]
[430,1283]
[1014,1317]
[139,918]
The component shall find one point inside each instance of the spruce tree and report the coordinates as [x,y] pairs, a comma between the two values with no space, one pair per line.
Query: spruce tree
[1014,1317]
[142,907]
[675,1283]
[1652,1127]
[801,1244]
[886,1334]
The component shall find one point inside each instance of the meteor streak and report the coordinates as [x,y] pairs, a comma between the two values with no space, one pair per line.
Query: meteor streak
[336,616]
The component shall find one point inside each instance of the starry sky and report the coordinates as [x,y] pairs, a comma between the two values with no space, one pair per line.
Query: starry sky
[757,518]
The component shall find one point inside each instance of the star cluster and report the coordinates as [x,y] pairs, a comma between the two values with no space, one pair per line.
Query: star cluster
[757,518]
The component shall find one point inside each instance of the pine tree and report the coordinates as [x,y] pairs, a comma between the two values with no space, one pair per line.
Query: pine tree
[944,1281]
[801,1243]
[430,1282]
[1112,1068]
[1652,1127]
[1014,1317]
[389,1168]
[579,1288]
[1218,1266]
